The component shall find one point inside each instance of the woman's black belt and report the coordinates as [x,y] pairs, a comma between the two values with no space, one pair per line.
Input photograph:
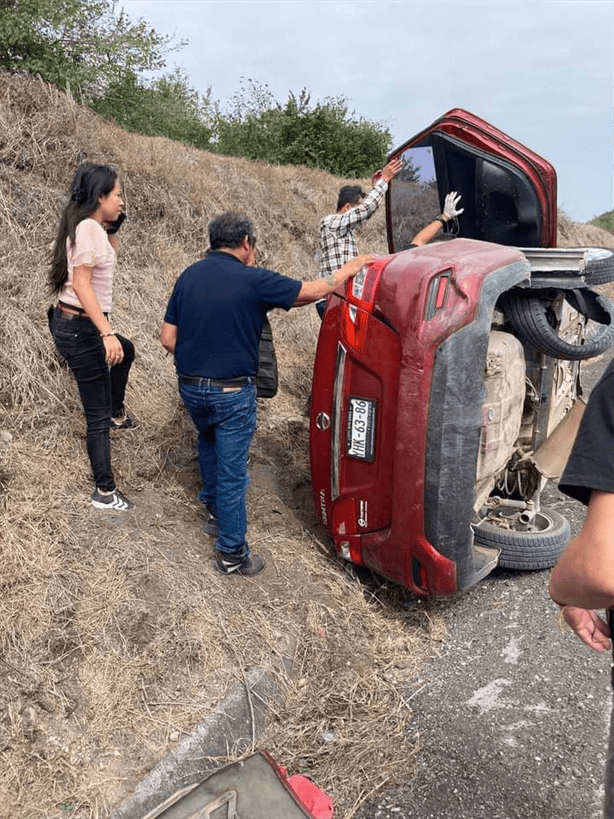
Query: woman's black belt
[71,311]
[201,381]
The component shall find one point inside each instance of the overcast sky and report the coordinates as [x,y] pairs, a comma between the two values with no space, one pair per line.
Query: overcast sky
[542,70]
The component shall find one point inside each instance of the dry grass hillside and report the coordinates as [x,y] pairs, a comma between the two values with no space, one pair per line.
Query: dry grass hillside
[115,635]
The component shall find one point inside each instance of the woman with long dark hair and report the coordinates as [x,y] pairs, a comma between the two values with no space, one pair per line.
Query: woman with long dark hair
[81,275]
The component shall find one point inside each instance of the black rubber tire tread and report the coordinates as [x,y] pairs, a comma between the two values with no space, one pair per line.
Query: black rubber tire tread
[527,551]
[527,315]
[599,270]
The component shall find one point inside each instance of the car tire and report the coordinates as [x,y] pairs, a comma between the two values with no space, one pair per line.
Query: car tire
[599,265]
[527,550]
[527,315]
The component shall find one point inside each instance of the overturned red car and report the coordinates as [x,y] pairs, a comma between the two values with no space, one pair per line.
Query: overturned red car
[446,388]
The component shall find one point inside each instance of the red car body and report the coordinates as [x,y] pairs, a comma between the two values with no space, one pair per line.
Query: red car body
[397,408]
[509,192]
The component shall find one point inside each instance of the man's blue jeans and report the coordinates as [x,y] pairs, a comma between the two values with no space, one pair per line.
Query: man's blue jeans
[225,421]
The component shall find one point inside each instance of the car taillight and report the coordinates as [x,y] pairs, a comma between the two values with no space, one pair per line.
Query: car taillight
[361,289]
[358,289]
[354,326]
[438,294]
[359,304]
[344,517]
[350,548]
[344,526]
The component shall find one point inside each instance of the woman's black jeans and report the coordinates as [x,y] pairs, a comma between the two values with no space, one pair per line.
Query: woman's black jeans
[102,388]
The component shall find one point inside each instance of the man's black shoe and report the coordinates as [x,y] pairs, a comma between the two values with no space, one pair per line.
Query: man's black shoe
[245,566]
[210,525]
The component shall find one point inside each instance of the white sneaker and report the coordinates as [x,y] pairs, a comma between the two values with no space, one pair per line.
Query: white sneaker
[114,501]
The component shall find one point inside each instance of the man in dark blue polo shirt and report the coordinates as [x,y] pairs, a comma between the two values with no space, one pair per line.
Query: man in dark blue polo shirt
[212,324]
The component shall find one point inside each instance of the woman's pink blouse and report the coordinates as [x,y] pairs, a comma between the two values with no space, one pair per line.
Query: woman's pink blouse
[92,247]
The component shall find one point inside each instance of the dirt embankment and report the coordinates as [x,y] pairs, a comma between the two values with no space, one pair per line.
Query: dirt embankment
[115,636]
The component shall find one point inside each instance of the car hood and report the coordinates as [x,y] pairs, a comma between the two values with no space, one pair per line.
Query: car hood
[508,191]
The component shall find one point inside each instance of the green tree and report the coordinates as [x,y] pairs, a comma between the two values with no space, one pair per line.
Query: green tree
[167,106]
[409,172]
[326,135]
[604,221]
[80,44]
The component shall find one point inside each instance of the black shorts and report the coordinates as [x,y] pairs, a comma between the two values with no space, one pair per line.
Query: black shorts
[591,463]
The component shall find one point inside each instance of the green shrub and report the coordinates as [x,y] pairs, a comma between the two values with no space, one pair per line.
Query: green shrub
[325,135]
[605,221]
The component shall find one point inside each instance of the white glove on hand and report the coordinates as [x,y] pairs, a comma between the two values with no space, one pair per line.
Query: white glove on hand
[450,205]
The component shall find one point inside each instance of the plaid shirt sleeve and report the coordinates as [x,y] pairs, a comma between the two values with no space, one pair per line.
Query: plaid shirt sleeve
[337,241]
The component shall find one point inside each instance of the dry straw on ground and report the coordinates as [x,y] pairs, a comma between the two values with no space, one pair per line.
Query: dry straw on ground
[115,636]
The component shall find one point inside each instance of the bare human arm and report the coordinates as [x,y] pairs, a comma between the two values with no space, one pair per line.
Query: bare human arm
[320,288]
[82,285]
[584,574]
[583,578]
[450,211]
[427,233]
[168,336]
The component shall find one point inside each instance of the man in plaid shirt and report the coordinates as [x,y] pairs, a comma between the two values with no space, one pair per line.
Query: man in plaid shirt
[337,240]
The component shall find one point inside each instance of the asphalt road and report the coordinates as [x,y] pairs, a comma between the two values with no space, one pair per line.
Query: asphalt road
[513,715]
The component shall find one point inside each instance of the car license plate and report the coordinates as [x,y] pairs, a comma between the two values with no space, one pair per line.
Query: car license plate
[361,428]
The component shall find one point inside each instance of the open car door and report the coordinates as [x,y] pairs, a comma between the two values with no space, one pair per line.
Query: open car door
[508,191]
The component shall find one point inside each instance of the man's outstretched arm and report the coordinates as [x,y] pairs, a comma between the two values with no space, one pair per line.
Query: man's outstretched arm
[320,288]
[340,223]
[450,211]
